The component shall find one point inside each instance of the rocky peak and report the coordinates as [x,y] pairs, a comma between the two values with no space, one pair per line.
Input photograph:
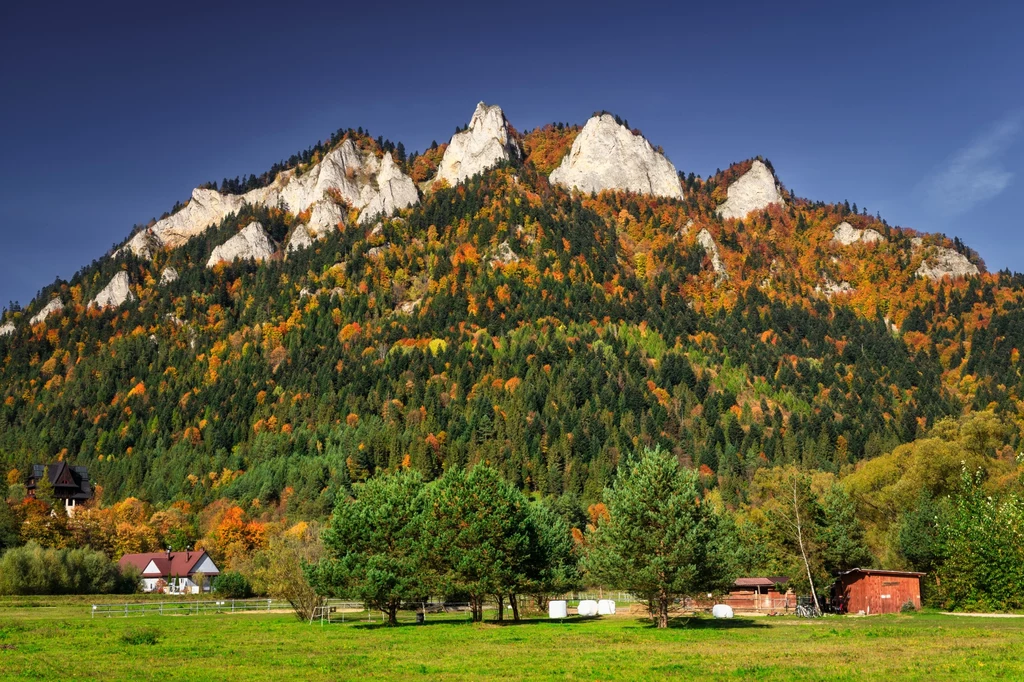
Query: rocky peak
[947,263]
[252,243]
[607,155]
[115,293]
[54,306]
[755,190]
[846,234]
[483,145]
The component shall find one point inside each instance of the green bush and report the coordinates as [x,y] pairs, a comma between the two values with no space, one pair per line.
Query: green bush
[32,569]
[232,585]
[143,635]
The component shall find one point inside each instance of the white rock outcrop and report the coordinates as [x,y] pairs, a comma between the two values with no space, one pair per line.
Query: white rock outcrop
[706,241]
[168,275]
[54,306]
[7,329]
[607,155]
[300,238]
[252,243]
[370,185]
[830,287]
[504,255]
[846,234]
[755,190]
[483,145]
[947,263]
[117,292]
[324,217]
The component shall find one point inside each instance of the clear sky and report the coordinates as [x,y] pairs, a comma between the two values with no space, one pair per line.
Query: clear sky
[109,113]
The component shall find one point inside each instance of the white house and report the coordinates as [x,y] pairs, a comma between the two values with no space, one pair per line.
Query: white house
[174,572]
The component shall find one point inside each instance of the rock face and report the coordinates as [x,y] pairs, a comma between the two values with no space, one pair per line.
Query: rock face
[168,275]
[252,243]
[755,190]
[324,218]
[830,287]
[504,255]
[705,239]
[846,234]
[606,155]
[947,263]
[370,185]
[483,145]
[54,306]
[115,293]
[6,329]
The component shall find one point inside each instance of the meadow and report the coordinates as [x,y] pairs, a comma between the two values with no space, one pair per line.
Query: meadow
[61,641]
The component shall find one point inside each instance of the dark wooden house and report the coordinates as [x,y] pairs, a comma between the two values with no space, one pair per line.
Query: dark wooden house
[70,483]
[868,591]
[761,594]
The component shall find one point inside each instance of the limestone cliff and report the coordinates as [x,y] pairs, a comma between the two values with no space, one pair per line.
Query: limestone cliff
[370,185]
[252,243]
[755,190]
[846,234]
[607,155]
[947,263]
[54,306]
[115,293]
[483,145]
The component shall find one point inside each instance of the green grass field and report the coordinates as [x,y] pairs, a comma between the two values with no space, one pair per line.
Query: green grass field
[62,642]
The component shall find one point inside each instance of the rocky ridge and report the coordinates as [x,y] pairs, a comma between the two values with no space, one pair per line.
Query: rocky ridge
[753,191]
[370,185]
[607,155]
[252,243]
[483,145]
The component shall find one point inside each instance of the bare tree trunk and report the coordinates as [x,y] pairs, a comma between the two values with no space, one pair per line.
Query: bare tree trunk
[662,610]
[393,613]
[515,606]
[803,549]
[501,606]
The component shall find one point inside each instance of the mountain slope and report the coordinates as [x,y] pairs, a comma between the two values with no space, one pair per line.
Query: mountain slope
[511,320]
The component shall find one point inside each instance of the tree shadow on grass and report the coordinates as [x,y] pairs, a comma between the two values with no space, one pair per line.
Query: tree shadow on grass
[698,623]
[440,622]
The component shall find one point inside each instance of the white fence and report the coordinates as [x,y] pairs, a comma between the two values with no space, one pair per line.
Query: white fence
[184,608]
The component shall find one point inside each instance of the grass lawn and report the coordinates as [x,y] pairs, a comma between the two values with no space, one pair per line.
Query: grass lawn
[62,642]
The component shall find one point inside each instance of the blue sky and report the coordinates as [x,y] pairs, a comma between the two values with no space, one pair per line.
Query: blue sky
[112,112]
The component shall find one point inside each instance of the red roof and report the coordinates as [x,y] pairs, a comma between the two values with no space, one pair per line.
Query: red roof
[760,582]
[167,564]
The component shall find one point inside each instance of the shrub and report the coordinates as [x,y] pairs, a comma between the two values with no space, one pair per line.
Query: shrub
[232,585]
[142,635]
[36,570]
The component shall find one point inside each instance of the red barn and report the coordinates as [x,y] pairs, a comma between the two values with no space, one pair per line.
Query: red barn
[865,590]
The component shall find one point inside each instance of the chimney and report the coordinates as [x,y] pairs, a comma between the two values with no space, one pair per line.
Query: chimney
[168,553]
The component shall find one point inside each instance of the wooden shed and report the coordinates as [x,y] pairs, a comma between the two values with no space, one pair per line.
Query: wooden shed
[866,590]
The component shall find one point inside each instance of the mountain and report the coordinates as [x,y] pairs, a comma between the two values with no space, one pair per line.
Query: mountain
[546,301]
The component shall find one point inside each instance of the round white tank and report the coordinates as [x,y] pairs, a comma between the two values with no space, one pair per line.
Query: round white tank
[721,611]
[606,607]
[556,609]
[587,607]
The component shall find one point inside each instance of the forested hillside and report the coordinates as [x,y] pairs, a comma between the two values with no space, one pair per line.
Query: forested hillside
[511,321]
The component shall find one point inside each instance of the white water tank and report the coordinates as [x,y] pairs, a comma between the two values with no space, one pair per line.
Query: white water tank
[721,611]
[587,607]
[606,607]
[556,609]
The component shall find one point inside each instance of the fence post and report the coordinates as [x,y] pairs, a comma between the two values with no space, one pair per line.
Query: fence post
[126,610]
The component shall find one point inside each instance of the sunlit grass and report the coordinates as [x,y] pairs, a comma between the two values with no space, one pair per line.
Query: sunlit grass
[62,642]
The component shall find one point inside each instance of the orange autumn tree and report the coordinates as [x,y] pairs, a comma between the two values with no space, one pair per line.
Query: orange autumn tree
[234,537]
